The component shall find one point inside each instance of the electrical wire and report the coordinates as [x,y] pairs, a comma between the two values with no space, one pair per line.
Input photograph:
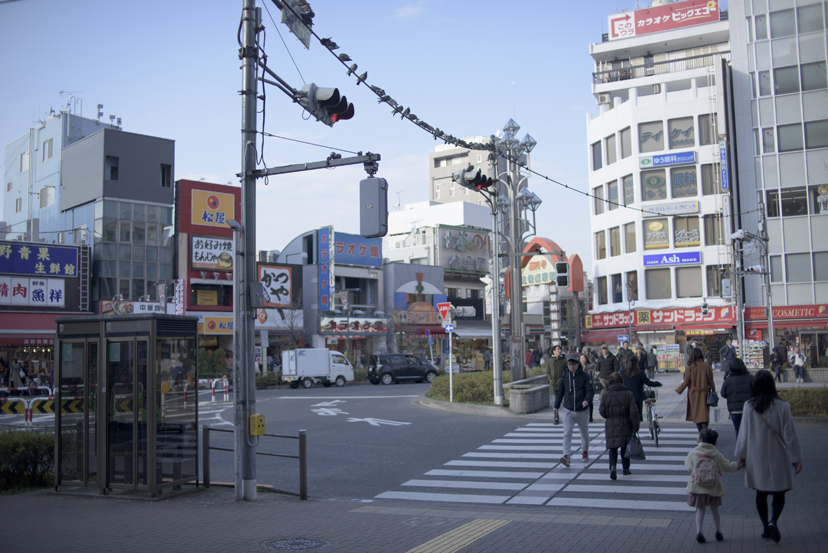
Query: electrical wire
[309,143]
[283,42]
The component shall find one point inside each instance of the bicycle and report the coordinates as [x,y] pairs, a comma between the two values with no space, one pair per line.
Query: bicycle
[652,417]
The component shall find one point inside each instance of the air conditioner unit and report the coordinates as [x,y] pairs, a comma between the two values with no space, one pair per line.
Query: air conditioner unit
[603,99]
[656,89]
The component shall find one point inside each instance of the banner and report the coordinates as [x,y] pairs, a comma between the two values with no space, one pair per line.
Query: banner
[213,254]
[662,18]
[28,259]
[354,325]
[212,209]
[34,292]
[277,283]
[127,307]
[661,317]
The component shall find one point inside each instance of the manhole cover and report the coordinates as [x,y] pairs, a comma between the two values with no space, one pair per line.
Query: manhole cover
[295,544]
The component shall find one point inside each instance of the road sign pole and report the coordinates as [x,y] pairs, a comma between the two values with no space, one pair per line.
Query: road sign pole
[451,372]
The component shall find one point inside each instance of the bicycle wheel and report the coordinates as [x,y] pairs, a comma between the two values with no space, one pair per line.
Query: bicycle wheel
[656,430]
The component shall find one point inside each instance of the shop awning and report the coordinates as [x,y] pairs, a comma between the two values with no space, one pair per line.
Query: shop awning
[419,331]
[22,324]
[603,335]
[787,324]
[479,332]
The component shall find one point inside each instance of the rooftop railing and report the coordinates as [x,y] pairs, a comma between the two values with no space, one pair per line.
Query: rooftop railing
[628,71]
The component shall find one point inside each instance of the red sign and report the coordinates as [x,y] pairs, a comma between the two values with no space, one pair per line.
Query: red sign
[663,18]
[444,309]
[788,312]
[662,317]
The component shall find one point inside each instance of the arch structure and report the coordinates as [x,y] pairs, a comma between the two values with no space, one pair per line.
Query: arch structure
[576,266]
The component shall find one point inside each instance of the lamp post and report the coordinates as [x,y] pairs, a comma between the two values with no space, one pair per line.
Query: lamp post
[762,239]
[630,304]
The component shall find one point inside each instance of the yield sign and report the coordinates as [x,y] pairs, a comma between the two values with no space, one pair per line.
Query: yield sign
[444,309]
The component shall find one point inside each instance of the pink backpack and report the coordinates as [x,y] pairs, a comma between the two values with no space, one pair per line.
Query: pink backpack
[705,472]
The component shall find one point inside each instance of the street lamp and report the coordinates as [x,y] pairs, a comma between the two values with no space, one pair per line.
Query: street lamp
[630,303]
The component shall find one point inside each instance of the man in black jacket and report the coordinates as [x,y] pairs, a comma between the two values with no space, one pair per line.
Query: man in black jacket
[624,355]
[574,392]
[607,364]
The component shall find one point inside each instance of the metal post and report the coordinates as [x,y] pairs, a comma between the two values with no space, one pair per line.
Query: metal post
[766,268]
[244,327]
[451,372]
[497,361]
[303,464]
[517,345]
[205,455]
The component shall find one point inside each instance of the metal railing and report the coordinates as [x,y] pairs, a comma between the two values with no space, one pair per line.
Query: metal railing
[303,458]
[658,68]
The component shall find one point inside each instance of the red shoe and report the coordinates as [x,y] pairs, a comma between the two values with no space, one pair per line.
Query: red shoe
[585,456]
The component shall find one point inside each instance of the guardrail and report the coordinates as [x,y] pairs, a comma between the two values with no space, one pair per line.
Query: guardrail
[225,386]
[17,405]
[303,457]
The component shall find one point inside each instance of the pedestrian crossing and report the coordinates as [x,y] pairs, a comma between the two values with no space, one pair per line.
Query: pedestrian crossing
[523,468]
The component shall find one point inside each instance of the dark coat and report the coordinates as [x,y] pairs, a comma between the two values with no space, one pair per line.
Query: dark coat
[736,389]
[620,413]
[636,386]
[698,380]
[555,367]
[623,356]
[574,389]
[607,365]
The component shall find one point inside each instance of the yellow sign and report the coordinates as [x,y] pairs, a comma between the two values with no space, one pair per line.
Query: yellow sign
[212,209]
[539,270]
[218,325]
[206,297]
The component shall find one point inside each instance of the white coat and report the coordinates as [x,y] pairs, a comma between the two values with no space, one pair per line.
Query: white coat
[769,466]
[723,464]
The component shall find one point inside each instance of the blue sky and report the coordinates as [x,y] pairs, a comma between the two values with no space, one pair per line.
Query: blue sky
[171,69]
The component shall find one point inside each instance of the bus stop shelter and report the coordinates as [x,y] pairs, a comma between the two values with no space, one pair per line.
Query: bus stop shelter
[126,415]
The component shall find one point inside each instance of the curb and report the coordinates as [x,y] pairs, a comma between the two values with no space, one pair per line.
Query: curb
[473,409]
[811,422]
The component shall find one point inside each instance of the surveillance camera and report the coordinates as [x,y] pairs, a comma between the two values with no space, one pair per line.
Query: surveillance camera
[738,235]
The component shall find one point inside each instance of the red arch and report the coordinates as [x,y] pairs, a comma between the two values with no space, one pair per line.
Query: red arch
[576,266]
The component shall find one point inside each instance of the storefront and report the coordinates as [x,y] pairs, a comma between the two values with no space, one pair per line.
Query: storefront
[803,326]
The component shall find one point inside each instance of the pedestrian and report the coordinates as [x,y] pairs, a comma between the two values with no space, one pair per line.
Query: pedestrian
[528,358]
[797,361]
[536,357]
[607,364]
[736,389]
[621,421]
[555,367]
[698,380]
[688,348]
[652,363]
[18,375]
[635,379]
[705,486]
[573,392]
[642,356]
[623,354]
[487,360]
[768,447]
[590,370]
[777,360]
[727,354]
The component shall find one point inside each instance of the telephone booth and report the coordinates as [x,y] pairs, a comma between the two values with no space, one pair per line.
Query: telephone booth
[126,402]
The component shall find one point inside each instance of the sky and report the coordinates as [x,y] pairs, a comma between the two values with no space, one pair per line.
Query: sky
[171,69]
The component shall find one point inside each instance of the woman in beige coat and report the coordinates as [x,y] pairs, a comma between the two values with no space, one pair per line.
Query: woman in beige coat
[698,380]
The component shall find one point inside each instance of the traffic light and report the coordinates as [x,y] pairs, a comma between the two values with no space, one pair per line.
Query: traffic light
[705,310]
[325,104]
[562,274]
[373,207]
[474,180]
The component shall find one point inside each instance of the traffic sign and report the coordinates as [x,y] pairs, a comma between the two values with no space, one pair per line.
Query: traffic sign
[449,328]
[623,338]
[430,341]
[428,332]
[444,309]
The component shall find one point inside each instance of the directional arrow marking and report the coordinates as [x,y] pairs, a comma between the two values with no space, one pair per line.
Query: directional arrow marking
[325,411]
[328,403]
[378,422]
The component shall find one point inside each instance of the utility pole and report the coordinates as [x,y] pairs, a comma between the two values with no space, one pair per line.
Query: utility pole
[245,385]
[497,357]
[763,234]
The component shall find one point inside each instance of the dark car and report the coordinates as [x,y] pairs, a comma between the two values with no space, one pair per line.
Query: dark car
[399,367]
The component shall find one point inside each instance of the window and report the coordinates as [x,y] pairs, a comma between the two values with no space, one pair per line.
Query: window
[790,137]
[798,267]
[629,190]
[819,199]
[794,202]
[782,23]
[682,133]
[753,91]
[18,205]
[475,294]
[713,229]
[710,180]
[632,282]
[617,289]
[653,185]
[612,195]
[714,279]
[651,137]
[47,196]
[452,293]
[657,282]
[611,152]
[776,268]
[600,245]
[688,282]
[809,18]
[111,168]
[602,290]
[786,80]
[655,234]
[626,143]
[820,266]
[629,237]
[9,186]
[598,198]
[24,162]
[761,23]
[596,156]
[124,232]
[48,148]
[166,175]
[813,76]
[686,232]
[708,132]
[764,83]
[768,142]
[615,241]
[772,203]
[436,191]
[749,28]
[816,134]
[683,181]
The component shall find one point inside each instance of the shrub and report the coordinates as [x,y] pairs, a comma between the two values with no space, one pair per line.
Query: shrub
[807,402]
[27,460]
[268,379]
[476,387]
[360,375]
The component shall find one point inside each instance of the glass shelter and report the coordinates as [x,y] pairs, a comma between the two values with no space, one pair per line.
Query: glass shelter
[127,390]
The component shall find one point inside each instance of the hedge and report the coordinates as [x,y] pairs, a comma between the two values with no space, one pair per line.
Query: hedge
[27,460]
[807,402]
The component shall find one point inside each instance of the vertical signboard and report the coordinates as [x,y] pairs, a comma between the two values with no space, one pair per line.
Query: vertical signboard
[723,157]
[324,259]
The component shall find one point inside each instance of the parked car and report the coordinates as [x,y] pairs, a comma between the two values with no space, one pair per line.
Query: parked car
[400,367]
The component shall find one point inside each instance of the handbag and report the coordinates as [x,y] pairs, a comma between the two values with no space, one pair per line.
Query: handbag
[634,450]
[712,396]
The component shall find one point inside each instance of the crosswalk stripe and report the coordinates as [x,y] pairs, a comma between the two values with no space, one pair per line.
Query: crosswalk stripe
[631,505]
[649,490]
[647,467]
[471,485]
[449,498]
[634,477]
[485,474]
[513,455]
[504,464]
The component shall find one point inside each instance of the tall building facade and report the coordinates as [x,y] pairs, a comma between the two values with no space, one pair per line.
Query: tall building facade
[780,91]
[660,216]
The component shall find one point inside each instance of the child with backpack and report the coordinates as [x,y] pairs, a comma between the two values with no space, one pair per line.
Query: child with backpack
[705,486]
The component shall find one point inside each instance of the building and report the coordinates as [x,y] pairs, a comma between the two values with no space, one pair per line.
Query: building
[661,214]
[780,92]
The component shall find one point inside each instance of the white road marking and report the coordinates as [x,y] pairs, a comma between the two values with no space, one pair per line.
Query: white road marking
[328,403]
[344,397]
[629,505]
[485,474]
[649,490]
[471,485]
[327,412]
[378,422]
[447,498]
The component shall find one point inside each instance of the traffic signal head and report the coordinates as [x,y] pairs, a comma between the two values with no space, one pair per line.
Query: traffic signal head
[373,207]
[705,309]
[474,179]
[325,104]
[562,274]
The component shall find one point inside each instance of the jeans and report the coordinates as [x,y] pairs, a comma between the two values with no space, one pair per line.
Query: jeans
[737,421]
[570,418]
[799,371]
[613,458]
[778,370]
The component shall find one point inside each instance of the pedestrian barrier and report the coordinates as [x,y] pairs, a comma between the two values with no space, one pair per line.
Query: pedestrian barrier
[303,457]
[225,385]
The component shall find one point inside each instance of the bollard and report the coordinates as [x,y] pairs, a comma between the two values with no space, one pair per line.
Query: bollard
[185,395]
[213,387]
[205,466]
[303,464]
[226,390]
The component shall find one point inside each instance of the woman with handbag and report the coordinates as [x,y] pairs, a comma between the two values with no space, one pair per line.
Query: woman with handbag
[768,448]
[698,381]
[621,421]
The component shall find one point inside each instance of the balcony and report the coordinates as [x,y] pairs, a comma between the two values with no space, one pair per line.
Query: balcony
[627,70]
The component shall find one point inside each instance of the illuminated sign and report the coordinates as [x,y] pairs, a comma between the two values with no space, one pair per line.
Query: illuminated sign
[663,18]
[212,209]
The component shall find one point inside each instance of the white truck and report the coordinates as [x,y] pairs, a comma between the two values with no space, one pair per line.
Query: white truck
[309,366]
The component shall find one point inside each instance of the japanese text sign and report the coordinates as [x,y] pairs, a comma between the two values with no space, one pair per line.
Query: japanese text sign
[276,282]
[324,261]
[212,209]
[34,292]
[214,254]
[663,18]
[661,317]
[32,259]
[352,249]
